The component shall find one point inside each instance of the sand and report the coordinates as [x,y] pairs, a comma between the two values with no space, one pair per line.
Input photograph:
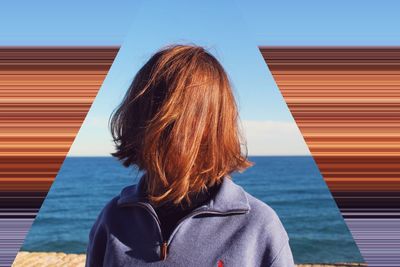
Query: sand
[55,259]
[48,259]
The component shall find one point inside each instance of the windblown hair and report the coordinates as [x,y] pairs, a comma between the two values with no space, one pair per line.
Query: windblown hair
[178,122]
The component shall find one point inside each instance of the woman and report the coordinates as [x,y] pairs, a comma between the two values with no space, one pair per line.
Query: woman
[178,123]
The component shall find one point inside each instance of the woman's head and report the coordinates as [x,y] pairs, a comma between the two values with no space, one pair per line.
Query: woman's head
[178,123]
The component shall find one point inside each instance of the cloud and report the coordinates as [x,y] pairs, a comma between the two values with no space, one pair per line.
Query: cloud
[263,138]
[273,138]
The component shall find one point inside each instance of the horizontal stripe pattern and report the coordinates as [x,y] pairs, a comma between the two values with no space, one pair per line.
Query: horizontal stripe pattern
[378,238]
[12,235]
[346,103]
[45,94]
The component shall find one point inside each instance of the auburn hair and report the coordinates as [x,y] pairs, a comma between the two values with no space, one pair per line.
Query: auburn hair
[178,122]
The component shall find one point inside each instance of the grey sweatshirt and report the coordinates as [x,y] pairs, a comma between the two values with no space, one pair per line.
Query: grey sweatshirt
[232,229]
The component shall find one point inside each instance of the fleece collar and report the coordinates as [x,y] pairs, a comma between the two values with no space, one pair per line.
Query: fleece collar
[229,198]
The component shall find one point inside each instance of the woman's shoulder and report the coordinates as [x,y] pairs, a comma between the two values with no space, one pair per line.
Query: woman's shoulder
[264,218]
[260,208]
[263,223]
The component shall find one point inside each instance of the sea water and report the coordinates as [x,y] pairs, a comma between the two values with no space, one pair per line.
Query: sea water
[292,186]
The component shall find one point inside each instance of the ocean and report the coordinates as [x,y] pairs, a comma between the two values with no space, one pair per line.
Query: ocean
[292,186]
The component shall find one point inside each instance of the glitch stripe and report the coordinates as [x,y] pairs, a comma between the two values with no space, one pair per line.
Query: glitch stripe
[12,235]
[379,238]
[45,94]
[346,103]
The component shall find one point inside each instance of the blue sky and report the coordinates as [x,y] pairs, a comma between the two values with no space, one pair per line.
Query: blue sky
[267,123]
[74,22]
[316,22]
[230,30]
[100,22]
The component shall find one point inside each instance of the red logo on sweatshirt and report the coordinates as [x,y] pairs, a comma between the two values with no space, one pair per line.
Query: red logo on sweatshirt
[220,263]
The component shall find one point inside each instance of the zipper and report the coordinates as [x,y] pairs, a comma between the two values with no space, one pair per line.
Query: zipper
[163,250]
[164,243]
[200,210]
[151,210]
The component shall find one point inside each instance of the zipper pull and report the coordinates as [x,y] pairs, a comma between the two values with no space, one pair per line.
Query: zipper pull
[163,250]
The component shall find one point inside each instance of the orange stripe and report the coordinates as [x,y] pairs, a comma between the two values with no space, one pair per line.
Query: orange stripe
[346,102]
[45,94]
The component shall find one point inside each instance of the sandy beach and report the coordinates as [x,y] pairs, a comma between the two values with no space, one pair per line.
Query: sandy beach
[55,259]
